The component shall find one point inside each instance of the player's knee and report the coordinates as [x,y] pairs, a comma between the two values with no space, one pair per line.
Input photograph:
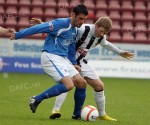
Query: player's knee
[67,81]
[81,83]
[99,88]
[69,86]
[84,83]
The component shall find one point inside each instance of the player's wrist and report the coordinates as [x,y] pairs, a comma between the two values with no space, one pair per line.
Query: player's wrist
[9,30]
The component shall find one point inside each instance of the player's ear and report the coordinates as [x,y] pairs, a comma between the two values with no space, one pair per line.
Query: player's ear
[96,26]
[73,15]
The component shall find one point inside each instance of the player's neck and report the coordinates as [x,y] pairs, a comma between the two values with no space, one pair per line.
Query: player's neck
[72,22]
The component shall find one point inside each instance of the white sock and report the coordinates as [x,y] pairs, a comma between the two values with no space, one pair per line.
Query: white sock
[100,102]
[59,101]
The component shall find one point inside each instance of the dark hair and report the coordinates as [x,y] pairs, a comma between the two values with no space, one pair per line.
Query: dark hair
[80,9]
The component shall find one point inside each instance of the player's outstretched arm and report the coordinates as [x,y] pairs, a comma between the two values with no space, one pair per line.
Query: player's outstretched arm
[5,31]
[35,21]
[126,54]
[40,28]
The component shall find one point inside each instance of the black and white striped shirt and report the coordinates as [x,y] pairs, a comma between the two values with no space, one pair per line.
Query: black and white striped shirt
[86,41]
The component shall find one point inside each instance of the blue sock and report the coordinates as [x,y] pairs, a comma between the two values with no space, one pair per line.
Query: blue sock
[51,92]
[79,97]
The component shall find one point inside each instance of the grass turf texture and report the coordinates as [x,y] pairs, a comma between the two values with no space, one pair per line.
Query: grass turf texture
[127,100]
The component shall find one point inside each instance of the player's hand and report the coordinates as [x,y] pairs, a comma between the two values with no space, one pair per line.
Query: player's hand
[12,36]
[127,55]
[11,31]
[35,21]
[77,67]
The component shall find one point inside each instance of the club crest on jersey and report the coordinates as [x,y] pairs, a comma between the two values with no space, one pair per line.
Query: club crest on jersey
[51,25]
[66,42]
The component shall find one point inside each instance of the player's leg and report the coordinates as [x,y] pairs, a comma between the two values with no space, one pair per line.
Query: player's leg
[79,98]
[58,103]
[52,65]
[79,82]
[61,87]
[79,95]
[93,80]
[99,97]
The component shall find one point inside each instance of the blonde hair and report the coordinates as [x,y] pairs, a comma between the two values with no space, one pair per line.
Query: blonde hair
[104,22]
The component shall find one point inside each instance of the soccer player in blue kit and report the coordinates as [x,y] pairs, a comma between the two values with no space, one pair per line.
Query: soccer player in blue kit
[61,34]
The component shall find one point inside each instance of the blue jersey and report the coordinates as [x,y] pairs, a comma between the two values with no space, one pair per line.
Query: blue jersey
[72,54]
[60,35]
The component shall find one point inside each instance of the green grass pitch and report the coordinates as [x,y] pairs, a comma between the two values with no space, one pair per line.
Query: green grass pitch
[127,100]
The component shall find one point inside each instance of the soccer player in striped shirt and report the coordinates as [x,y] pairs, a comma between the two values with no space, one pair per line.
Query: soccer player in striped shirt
[61,33]
[88,37]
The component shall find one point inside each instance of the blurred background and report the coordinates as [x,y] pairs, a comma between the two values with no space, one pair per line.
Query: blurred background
[130,31]
[128,15]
